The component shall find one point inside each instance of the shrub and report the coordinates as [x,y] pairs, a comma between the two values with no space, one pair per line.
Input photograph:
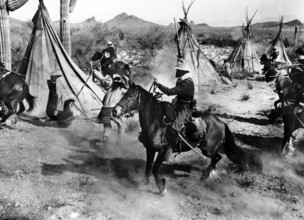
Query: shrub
[245,97]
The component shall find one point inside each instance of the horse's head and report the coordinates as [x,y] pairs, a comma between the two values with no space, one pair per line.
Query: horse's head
[129,102]
[296,75]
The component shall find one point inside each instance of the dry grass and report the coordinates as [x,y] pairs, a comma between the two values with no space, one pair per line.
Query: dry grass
[132,124]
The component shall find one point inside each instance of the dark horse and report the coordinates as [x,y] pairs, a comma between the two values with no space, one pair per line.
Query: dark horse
[270,68]
[108,66]
[13,89]
[158,136]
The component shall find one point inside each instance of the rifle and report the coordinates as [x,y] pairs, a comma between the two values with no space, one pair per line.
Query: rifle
[177,42]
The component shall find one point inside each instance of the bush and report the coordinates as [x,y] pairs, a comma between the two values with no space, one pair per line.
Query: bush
[156,36]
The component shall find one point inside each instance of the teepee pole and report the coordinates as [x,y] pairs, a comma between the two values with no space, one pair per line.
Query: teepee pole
[179,55]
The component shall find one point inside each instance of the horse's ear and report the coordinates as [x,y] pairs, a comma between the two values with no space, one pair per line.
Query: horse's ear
[133,85]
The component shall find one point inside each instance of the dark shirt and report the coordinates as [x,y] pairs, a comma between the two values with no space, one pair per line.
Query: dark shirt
[112,52]
[96,56]
[274,55]
[184,89]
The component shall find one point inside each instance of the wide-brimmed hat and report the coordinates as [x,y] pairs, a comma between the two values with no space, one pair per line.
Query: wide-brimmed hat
[116,77]
[301,59]
[182,65]
[110,43]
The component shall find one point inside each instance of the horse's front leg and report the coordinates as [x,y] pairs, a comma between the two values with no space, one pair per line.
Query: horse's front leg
[149,162]
[160,183]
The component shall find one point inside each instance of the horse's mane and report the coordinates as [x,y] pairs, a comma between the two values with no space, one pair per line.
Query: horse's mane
[163,108]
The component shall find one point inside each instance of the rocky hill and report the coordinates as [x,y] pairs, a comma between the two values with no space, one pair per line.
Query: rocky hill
[130,23]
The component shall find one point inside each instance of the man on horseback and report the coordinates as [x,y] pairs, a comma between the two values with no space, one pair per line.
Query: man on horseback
[274,55]
[184,91]
[112,50]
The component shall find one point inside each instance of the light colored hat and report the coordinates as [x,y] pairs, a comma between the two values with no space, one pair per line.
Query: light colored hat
[182,65]
[116,77]
[110,43]
[301,59]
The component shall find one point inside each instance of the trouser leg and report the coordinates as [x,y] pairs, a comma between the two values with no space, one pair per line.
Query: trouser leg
[52,100]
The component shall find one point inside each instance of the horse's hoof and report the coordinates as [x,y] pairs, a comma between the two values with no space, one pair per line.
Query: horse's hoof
[13,121]
[163,192]
[213,173]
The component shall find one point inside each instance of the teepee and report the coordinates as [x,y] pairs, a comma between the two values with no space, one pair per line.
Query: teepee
[45,56]
[189,49]
[279,46]
[243,58]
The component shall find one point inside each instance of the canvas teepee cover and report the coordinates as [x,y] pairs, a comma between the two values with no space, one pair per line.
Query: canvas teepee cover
[189,49]
[243,58]
[279,46]
[45,56]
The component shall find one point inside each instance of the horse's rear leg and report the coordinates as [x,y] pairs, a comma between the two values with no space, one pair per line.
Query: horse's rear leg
[160,183]
[149,163]
[215,158]
[11,111]
[21,108]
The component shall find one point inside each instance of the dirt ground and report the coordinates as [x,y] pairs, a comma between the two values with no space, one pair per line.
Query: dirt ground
[51,173]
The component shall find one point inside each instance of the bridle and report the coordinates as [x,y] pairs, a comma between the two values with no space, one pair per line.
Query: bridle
[126,109]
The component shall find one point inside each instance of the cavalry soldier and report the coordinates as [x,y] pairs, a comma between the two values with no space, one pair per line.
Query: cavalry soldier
[112,50]
[274,55]
[184,91]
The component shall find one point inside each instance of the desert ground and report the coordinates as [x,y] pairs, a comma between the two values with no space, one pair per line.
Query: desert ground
[53,173]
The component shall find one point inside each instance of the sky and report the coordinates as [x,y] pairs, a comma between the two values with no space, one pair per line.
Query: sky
[212,12]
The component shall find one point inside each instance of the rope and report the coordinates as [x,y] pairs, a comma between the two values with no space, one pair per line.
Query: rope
[19,74]
[298,118]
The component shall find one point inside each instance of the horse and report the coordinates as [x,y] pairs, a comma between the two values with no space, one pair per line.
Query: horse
[119,67]
[293,119]
[13,90]
[271,70]
[157,136]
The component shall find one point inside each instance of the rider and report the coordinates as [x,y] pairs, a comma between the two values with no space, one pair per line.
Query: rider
[184,91]
[108,58]
[274,55]
[112,50]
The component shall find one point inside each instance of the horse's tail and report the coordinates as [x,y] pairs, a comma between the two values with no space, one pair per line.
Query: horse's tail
[31,100]
[237,154]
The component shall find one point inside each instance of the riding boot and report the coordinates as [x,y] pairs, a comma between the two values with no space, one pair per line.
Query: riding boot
[51,107]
